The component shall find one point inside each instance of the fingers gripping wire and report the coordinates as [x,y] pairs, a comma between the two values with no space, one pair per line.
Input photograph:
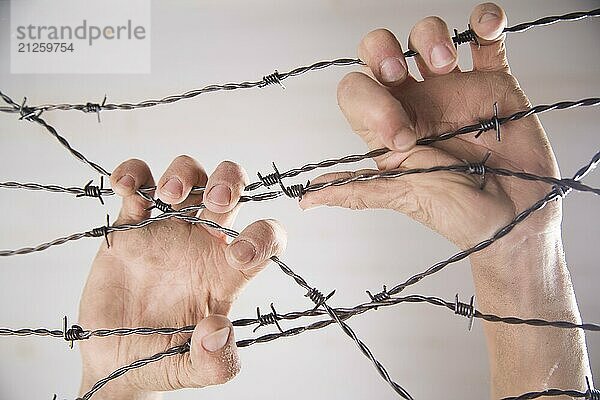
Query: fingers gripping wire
[560,188]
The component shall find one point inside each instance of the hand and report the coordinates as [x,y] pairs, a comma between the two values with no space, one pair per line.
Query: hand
[524,274]
[398,110]
[172,274]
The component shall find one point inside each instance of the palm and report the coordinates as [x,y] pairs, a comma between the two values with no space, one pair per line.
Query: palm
[168,274]
[446,103]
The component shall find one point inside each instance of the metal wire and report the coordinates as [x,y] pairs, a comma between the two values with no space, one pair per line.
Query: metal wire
[561,187]
[173,351]
[183,214]
[271,179]
[276,77]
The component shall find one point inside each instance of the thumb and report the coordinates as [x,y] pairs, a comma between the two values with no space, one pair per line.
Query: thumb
[213,358]
[488,21]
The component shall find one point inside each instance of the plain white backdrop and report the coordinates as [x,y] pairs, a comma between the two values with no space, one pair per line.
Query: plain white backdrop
[195,43]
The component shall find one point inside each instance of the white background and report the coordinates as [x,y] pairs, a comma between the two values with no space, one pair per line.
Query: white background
[426,349]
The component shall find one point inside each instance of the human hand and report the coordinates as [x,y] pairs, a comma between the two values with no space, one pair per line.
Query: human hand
[172,274]
[398,110]
[523,274]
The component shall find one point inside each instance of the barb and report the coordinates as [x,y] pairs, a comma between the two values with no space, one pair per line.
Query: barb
[74,333]
[267,319]
[90,190]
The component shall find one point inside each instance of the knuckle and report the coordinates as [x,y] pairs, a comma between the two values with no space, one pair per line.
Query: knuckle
[133,164]
[270,237]
[185,159]
[377,37]
[233,172]
[489,6]
[184,163]
[433,21]
[427,27]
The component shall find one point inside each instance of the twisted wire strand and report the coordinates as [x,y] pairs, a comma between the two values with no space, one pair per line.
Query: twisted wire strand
[342,313]
[75,190]
[196,92]
[562,105]
[563,184]
[574,16]
[549,393]
[542,108]
[276,78]
[29,114]
[368,354]
[173,351]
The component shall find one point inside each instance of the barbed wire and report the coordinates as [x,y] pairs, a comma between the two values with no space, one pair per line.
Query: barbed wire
[469,168]
[183,214]
[77,333]
[560,188]
[272,179]
[467,36]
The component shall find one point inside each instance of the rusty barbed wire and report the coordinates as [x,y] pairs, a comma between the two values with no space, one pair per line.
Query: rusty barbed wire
[467,36]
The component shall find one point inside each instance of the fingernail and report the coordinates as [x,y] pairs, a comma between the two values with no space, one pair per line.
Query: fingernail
[220,195]
[441,56]
[126,181]
[173,187]
[392,69]
[243,251]
[488,16]
[216,340]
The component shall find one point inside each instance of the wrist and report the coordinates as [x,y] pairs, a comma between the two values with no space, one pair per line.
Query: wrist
[525,276]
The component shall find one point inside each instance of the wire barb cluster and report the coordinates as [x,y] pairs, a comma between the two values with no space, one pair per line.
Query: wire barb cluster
[560,188]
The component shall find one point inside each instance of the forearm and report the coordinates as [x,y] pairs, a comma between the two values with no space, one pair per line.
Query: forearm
[529,279]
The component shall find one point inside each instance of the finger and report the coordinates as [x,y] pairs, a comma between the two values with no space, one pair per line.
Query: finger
[374,113]
[213,358]
[223,191]
[126,179]
[401,193]
[430,38]
[488,21]
[251,250]
[176,183]
[382,53]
